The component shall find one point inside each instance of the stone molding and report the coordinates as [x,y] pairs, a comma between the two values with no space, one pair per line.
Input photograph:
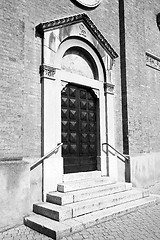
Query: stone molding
[96,91]
[47,72]
[43,27]
[152,61]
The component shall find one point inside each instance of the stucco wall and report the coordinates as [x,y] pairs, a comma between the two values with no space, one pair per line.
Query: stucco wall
[14,192]
[145,170]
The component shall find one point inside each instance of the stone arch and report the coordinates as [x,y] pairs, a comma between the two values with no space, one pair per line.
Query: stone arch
[78,60]
[86,51]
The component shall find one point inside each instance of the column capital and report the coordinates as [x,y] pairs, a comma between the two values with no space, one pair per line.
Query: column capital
[47,72]
[109,88]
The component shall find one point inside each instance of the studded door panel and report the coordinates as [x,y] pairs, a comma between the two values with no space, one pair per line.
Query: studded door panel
[79,129]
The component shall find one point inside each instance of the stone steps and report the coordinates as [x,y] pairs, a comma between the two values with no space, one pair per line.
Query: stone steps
[61,213]
[57,230]
[91,205]
[84,194]
[83,202]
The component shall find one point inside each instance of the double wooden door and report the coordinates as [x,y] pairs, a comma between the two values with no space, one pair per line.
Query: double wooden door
[79,129]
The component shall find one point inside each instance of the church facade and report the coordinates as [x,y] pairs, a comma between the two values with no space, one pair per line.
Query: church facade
[80,77]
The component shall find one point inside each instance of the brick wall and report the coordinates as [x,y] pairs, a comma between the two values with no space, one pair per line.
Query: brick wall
[142,35]
[143,99]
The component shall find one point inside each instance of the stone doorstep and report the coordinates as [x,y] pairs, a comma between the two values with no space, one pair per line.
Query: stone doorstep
[87,183]
[57,230]
[84,194]
[81,176]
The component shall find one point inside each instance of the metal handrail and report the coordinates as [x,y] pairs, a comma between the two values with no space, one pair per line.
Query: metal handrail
[122,155]
[47,155]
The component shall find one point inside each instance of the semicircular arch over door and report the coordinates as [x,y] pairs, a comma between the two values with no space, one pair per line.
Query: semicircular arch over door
[79,61]
[79,113]
[80,129]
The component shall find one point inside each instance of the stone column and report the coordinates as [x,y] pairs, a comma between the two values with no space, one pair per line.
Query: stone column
[51,108]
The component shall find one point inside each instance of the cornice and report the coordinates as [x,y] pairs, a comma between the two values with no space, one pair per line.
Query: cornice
[46,26]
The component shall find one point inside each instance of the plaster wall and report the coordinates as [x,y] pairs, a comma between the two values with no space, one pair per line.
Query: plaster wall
[145,169]
[14,192]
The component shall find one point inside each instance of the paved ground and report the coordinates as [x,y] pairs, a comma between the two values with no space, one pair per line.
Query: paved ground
[143,224]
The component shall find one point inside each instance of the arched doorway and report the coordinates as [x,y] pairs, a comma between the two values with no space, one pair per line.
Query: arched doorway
[79,115]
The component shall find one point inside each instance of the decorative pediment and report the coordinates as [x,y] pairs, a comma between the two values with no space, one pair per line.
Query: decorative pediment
[78,25]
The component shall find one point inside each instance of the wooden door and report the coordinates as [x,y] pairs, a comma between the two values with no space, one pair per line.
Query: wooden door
[79,129]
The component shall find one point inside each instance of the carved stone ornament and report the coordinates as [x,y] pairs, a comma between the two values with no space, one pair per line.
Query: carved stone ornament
[47,72]
[89,3]
[109,88]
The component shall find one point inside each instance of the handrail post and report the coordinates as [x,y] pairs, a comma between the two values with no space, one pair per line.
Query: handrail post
[120,155]
[127,170]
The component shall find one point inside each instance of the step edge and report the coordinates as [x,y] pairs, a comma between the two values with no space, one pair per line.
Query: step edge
[114,189]
[81,224]
[101,178]
[108,196]
[46,229]
[73,186]
[60,214]
[51,206]
[79,210]
[139,203]
[82,193]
